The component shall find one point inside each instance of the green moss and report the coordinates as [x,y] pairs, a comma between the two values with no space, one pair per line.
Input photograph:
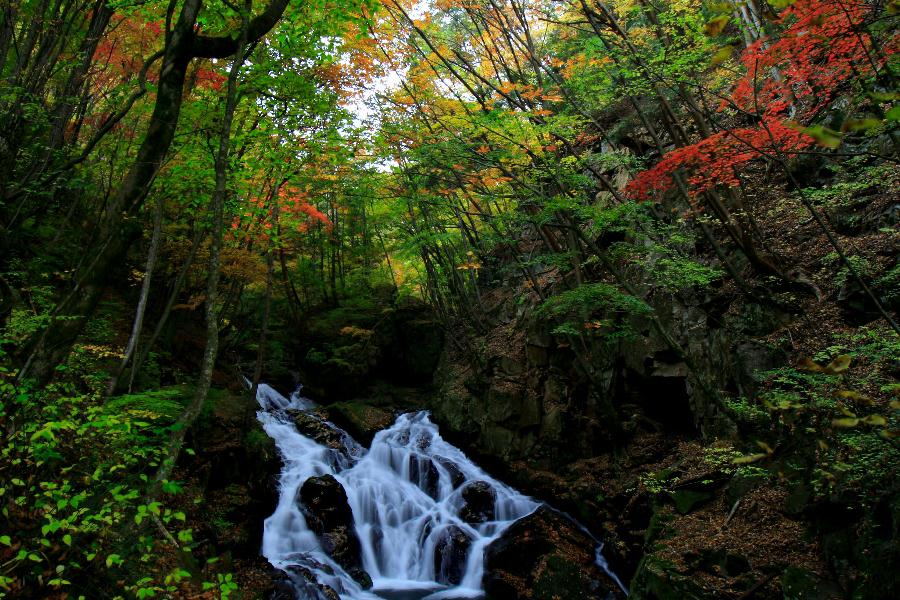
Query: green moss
[165,403]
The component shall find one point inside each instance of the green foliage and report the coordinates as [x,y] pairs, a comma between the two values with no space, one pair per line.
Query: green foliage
[832,427]
[79,471]
[594,301]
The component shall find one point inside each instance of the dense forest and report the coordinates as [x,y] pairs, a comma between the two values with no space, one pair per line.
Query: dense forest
[638,258]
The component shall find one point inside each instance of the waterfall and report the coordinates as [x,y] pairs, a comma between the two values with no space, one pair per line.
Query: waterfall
[406,493]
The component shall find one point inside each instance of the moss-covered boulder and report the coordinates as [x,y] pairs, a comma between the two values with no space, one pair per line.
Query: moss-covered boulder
[360,420]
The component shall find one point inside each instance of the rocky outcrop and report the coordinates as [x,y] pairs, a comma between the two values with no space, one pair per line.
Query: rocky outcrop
[543,557]
[235,469]
[324,505]
[299,583]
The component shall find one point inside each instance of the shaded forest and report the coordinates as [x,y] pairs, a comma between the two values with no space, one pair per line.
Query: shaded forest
[641,251]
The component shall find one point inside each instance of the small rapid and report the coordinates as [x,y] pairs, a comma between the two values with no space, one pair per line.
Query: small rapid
[419,538]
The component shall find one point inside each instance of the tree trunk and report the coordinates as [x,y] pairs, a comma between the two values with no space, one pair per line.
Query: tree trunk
[144,351]
[142,302]
[212,283]
[119,228]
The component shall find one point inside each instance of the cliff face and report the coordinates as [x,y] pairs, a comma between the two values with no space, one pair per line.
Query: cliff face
[639,443]
[522,393]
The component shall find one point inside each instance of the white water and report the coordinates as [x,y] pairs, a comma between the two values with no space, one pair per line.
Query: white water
[401,514]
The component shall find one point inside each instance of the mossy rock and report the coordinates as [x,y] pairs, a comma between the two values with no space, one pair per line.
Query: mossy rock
[361,421]
[545,556]
[687,500]
[562,579]
[165,404]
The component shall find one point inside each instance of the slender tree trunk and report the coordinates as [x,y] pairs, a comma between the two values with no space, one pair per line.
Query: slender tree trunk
[264,330]
[142,301]
[144,350]
[212,284]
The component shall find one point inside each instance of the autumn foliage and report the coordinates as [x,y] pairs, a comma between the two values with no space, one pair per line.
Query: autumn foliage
[820,48]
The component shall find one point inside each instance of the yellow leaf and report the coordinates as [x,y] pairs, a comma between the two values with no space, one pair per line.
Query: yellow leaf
[860,124]
[765,447]
[844,423]
[721,55]
[827,138]
[876,420]
[807,364]
[838,365]
[719,7]
[750,458]
[716,25]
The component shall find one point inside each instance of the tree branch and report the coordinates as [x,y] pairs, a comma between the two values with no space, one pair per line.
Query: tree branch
[226,45]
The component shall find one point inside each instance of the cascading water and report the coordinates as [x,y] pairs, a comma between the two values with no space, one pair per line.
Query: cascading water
[406,494]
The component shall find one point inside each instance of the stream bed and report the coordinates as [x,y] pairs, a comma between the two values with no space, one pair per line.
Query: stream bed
[422,512]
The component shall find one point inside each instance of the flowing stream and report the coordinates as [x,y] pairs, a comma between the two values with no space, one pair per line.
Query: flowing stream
[405,493]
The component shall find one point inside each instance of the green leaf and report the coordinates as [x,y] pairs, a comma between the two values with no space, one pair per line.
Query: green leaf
[5,540]
[827,138]
[893,114]
[860,124]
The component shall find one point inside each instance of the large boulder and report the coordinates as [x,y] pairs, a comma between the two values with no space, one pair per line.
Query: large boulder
[450,554]
[545,556]
[479,498]
[324,505]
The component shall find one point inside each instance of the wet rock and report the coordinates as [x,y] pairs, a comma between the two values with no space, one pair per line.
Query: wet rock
[316,429]
[324,505]
[544,556]
[479,499]
[456,476]
[537,356]
[424,474]
[298,583]
[754,359]
[450,555]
